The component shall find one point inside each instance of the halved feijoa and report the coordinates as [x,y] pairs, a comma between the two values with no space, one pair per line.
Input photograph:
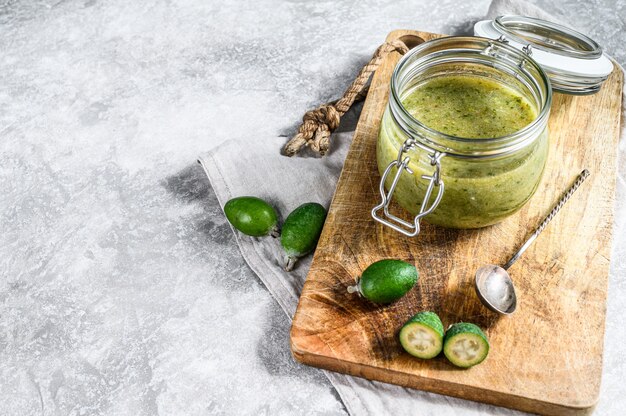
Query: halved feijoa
[386,281]
[422,335]
[465,345]
[252,216]
[301,230]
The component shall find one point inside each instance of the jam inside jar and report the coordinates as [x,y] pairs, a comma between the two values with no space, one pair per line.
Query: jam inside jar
[463,141]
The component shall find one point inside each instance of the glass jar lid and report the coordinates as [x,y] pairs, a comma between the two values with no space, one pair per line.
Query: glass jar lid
[574,62]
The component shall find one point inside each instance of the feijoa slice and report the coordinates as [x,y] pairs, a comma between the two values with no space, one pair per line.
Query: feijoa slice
[465,345]
[386,281]
[301,230]
[422,335]
[252,216]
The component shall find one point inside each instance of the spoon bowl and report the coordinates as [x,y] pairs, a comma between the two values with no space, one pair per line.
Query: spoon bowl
[495,289]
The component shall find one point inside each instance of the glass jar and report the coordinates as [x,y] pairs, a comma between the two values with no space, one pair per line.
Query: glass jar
[453,181]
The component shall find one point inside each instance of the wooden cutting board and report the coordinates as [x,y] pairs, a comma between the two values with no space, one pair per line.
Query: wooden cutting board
[547,356]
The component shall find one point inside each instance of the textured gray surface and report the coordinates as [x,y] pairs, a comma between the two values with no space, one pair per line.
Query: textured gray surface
[121,288]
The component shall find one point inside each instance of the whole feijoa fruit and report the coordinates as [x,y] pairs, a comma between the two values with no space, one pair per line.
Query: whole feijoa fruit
[386,281]
[252,216]
[301,230]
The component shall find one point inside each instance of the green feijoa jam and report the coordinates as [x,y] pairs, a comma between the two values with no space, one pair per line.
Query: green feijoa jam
[472,108]
[465,345]
[386,281]
[251,216]
[469,106]
[422,335]
[301,230]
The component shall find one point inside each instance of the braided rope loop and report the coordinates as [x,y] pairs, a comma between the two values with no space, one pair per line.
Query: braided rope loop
[318,124]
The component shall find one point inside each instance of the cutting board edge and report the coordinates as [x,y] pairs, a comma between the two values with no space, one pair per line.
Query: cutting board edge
[447,388]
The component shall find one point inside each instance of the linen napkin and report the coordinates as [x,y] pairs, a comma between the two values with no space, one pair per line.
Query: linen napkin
[310,179]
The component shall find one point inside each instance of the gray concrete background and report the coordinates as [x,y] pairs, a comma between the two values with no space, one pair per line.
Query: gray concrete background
[122,291]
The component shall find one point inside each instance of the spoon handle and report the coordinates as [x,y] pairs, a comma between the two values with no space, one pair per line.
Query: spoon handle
[568,194]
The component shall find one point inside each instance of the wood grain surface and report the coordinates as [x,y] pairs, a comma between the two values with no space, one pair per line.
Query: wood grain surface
[546,357]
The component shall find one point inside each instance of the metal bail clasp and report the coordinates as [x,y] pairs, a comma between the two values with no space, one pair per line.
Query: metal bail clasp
[491,49]
[528,51]
[407,228]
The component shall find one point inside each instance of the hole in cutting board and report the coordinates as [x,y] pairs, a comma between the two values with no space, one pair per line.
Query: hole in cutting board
[411,40]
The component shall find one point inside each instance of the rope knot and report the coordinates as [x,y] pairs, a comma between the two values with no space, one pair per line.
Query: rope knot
[325,114]
[315,130]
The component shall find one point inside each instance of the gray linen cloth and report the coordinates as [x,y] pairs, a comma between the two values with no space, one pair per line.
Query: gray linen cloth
[255,167]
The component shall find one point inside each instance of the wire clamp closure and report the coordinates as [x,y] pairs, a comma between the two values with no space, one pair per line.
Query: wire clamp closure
[410,229]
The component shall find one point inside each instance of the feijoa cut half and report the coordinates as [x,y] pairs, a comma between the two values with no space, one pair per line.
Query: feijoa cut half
[301,230]
[386,281]
[252,216]
[422,335]
[465,345]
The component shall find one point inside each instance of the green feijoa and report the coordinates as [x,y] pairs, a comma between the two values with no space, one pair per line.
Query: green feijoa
[387,280]
[422,335]
[252,216]
[301,230]
[465,345]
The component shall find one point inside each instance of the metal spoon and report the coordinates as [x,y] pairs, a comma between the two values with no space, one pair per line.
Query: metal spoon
[493,284]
